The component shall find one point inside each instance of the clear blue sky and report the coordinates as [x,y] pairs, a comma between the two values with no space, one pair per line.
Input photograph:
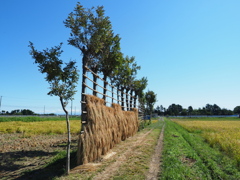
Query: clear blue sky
[188,50]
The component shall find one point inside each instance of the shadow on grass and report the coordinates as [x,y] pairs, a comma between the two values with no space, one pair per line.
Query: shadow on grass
[55,168]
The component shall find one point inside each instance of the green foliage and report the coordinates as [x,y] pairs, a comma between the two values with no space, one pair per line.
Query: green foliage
[236,110]
[91,32]
[174,110]
[62,80]
[150,98]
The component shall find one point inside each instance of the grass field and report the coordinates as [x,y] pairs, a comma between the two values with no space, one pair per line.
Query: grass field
[187,155]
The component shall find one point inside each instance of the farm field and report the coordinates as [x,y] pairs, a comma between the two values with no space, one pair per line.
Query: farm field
[42,155]
[26,146]
[223,134]
[187,154]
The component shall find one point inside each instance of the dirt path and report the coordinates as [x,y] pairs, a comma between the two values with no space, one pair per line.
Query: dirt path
[155,163]
[111,170]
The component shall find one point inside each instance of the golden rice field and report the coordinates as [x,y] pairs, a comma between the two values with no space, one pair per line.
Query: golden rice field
[223,134]
[42,127]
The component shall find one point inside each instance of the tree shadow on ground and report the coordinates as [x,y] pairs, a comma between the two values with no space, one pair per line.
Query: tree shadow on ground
[52,170]
[35,164]
[8,159]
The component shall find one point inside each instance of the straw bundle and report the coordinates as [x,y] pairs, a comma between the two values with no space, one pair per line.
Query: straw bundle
[106,126]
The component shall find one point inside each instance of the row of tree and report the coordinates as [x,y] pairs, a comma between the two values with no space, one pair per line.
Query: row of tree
[208,110]
[18,112]
[92,34]
[23,112]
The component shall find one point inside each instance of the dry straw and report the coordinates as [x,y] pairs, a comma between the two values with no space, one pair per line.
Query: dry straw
[106,126]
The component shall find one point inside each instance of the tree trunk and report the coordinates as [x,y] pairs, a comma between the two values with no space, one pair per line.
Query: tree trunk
[131,99]
[127,99]
[118,94]
[95,85]
[105,87]
[135,100]
[112,94]
[122,98]
[69,137]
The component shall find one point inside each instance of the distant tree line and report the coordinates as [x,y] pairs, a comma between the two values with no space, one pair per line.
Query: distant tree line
[21,112]
[208,110]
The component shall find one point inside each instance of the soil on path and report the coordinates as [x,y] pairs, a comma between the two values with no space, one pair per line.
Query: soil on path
[111,170]
[154,169]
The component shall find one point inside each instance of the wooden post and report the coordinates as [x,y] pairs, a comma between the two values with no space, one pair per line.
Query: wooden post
[83,100]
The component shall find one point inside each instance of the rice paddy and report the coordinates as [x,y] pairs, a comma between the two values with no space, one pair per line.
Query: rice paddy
[187,155]
[40,127]
[224,135]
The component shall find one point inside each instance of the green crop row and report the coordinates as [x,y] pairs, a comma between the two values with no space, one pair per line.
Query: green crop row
[187,156]
[36,118]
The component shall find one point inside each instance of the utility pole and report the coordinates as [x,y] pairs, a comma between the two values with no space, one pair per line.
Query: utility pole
[44,110]
[0,103]
[71,108]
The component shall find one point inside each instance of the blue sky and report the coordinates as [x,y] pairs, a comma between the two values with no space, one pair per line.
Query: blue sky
[188,50]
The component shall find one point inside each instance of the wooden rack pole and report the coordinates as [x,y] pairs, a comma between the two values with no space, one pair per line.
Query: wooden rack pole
[83,100]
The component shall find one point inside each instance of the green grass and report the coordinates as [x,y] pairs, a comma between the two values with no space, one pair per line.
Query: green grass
[187,156]
[35,118]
